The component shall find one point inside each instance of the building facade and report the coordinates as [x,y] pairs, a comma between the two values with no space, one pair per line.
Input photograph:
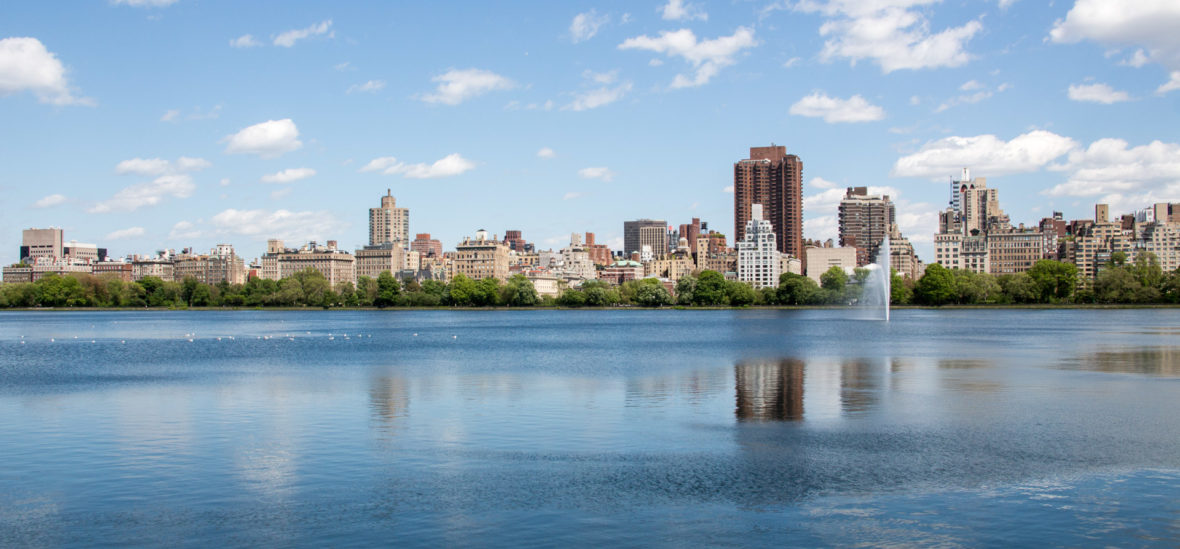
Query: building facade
[774,179]
[864,222]
[652,233]
[759,263]
[481,257]
[389,223]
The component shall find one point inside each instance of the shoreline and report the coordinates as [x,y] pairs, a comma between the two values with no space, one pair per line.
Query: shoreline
[1036,306]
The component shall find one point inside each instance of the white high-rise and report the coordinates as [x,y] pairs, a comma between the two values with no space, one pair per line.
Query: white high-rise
[759,261]
[389,223]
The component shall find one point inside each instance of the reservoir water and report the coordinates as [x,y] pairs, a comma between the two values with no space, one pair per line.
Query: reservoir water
[604,428]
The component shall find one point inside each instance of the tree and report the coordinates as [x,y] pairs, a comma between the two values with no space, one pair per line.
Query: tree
[519,292]
[366,291]
[650,292]
[461,291]
[710,289]
[794,289]
[1019,288]
[487,292]
[685,288]
[834,279]
[900,290]
[388,290]
[1054,280]
[740,294]
[572,298]
[936,287]
[973,287]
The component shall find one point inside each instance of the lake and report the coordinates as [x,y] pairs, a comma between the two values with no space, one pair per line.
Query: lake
[604,428]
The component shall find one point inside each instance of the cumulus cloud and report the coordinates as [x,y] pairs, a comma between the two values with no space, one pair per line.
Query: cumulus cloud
[170,116]
[821,183]
[572,195]
[1151,24]
[1028,152]
[26,65]
[371,86]
[451,165]
[679,10]
[1097,93]
[147,194]
[892,34]
[1112,166]
[456,86]
[835,110]
[289,175]
[707,57]
[546,152]
[175,115]
[268,139]
[50,201]
[172,179]
[289,38]
[183,230]
[727,189]
[282,224]
[601,173]
[599,96]
[244,41]
[586,25]
[821,227]
[828,201]
[130,232]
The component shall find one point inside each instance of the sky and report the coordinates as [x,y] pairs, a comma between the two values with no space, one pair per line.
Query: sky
[140,125]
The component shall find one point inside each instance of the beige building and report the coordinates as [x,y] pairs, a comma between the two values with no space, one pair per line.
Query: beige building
[903,259]
[1094,244]
[1017,250]
[544,283]
[864,222]
[336,265]
[480,257]
[161,268]
[221,264]
[373,260]
[389,223]
[1163,240]
[41,243]
[819,260]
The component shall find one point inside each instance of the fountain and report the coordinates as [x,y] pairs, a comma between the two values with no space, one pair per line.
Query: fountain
[876,291]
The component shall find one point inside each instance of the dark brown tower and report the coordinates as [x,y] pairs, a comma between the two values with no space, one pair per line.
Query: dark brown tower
[773,178]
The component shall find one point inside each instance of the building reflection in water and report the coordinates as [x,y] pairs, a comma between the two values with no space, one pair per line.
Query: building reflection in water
[769,391]
[1160,361]
[389,401]
[860,386]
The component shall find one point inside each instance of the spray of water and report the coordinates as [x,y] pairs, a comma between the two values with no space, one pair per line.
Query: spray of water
[876,292]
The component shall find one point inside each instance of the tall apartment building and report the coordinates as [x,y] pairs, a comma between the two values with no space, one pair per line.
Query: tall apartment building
[864,221]
[774,179]
[220,264]
[516,242]
[645,232]
[389,223]
[426,246]
[1017,250]
[599,253]
[902,257]
[480,257]
[691,231]
[758,260]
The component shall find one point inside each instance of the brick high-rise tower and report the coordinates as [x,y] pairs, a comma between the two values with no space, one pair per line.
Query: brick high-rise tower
[773,178]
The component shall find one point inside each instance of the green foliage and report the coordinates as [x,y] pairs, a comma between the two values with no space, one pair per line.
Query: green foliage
[833,279]
[740,294]
[650,292]
[794,289]
[1055,281]
[936,287]
[487,292]
[710,289]
[572,298]
[685,288]
[519,292]
[388,290]
[901,291]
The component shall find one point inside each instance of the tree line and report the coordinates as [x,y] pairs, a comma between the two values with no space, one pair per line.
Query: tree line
[1048,282]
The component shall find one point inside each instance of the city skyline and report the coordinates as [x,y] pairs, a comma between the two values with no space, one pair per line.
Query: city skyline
[195,128]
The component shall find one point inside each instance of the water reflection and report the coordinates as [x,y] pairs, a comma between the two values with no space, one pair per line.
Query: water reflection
[1160,361]
[389,401]
[769,391]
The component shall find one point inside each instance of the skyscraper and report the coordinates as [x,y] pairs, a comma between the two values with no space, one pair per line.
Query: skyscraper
[773,178]
[389,223]
[865,220]
[645,232]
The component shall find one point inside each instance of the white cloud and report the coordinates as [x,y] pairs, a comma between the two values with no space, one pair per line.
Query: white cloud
[143,166]
[289,175]
[188,164]
[288,38]
[26,65]
[175,115]
[456,86]
[277,194]
[791,62]
[727,189]
[891,33]
[828,201]
[970,99]
[985,154]
[450,165]
[282,224]
[971,85]
[1137,59]
[835,110]
[183,230]
[679,10]
[917,222]
[1111,166]
[371,86]
[586,25]
[601,173]
[268,139]
[546,152]
[821,227]
[147,194]
[1097,93]
[224,182]
[707,57]
[821,183]
[597,97]
[244,41]
[50,201]
[572,195]
[1150,23]
[144,3]
[130,232]
[170,116]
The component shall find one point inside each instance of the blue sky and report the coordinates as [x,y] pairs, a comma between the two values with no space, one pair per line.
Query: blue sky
[141,124]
